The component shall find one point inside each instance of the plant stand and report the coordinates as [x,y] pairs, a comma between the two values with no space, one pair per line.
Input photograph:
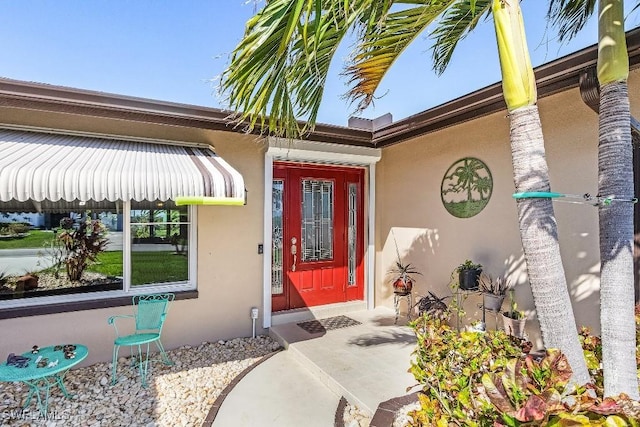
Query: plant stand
[397,297]
[461,296]
[484,315]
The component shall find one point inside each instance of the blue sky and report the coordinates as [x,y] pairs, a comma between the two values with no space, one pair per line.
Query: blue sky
[171,50]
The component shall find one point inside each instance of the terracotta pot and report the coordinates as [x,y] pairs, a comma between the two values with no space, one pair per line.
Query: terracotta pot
[402,286]
[492,302]
[514,327]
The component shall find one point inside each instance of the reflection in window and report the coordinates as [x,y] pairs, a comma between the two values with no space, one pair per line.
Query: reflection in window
[352,234]
[277,227]
[77,248]
[59,251]
[159,243]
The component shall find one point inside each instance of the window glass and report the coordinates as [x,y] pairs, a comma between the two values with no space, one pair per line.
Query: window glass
[60,248]
[58,251]
[159,243]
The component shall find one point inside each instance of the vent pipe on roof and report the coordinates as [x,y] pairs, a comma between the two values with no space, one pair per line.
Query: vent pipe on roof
[370,124]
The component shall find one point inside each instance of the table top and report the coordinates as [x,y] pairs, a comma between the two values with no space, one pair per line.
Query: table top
[32,372]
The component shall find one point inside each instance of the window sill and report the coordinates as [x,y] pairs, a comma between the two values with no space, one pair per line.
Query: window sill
[91,304]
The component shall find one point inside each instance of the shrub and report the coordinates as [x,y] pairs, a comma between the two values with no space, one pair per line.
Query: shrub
[80,245]
[476,380]
[18,228]
[14,228]
[449,365]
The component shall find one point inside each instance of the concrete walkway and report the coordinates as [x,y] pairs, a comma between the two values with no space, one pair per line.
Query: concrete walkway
[365,363]
[279,392]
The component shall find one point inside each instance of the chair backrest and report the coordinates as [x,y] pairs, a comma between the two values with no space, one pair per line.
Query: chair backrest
[152,310]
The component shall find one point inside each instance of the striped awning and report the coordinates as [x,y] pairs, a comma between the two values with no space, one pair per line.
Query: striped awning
[38,166]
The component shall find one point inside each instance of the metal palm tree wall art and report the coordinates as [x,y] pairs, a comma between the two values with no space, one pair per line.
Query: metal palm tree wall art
[466,187]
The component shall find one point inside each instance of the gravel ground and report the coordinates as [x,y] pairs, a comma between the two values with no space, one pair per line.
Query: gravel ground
[354,417]
[179,395]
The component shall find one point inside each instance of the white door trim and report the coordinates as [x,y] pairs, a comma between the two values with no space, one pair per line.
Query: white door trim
[323,153]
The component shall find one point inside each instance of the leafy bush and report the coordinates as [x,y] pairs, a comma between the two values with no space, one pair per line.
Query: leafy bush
[449,365]
[80,245]
[477,380]
[14,228]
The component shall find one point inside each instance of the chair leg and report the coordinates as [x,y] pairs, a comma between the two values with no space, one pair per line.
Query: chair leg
[163,354]
[143,365]
[115,364]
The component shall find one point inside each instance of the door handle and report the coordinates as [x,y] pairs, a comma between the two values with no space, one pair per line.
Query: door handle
[294,252]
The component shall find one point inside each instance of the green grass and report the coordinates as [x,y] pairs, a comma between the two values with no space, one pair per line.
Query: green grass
[109,263]
[148,267]
[36,239]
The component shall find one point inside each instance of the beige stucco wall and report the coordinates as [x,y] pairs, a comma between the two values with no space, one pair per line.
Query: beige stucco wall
[229,277]
[408,206]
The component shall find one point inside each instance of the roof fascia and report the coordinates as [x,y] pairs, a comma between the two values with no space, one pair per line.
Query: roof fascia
[553,77]
[58,99]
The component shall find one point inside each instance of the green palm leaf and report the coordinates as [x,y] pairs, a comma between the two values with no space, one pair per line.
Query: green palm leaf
[569,16]
[456,23]
[278,70]
[385,37]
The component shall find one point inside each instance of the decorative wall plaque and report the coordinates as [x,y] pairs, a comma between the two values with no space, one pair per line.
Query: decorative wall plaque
[466,187]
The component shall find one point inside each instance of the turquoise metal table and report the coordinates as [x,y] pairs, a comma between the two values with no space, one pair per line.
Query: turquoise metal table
[40,380]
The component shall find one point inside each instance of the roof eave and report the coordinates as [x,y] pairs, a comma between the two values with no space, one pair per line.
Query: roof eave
[553,77]
[59,99]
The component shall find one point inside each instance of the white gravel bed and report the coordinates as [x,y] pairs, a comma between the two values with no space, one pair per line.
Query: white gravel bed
[179,395]
[355,417]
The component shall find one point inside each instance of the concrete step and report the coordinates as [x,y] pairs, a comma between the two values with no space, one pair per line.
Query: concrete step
[366,363]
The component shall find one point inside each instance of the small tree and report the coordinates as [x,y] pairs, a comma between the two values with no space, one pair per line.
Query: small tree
[81,245]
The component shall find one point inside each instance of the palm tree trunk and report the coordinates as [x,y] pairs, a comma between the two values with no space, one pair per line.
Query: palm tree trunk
[615,177]
[538,231]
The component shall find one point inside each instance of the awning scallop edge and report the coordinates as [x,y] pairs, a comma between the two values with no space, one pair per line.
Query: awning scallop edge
[56,167]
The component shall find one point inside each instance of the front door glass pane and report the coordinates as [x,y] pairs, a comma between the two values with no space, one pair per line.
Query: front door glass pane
[352,233]
[277,282]
[317,220]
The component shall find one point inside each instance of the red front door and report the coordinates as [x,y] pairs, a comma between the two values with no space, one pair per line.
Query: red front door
[317,235]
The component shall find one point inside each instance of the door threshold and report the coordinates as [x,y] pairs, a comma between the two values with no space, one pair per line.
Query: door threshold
[317,312]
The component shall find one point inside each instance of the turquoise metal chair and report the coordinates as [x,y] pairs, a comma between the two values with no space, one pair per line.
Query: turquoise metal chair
[151,311]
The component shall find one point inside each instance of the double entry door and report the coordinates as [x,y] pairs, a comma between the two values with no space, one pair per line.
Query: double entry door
[317,235]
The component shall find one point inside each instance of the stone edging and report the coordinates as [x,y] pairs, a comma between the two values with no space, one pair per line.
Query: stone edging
[213,412]
[386,412]
[338,420]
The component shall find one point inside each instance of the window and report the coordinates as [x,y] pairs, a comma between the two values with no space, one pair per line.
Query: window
[159,243]
[73,251]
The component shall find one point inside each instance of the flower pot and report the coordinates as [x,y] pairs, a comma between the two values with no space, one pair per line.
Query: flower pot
[492,302]
[402,286]
[468,279]
[514,327]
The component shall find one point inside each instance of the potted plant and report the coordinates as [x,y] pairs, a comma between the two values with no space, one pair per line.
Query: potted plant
[433,306]
[402,280]
[493,292]
[468,275]
[514,320]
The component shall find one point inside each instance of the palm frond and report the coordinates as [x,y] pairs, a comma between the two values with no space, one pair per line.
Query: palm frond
[569,16]
[385,36]
[459,20]
[278,70]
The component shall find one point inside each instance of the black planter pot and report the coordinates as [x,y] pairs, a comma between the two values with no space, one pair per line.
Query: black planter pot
[468,279]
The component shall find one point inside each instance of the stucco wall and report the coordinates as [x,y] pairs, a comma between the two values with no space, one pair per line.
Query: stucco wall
[409,207]
[229,275]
